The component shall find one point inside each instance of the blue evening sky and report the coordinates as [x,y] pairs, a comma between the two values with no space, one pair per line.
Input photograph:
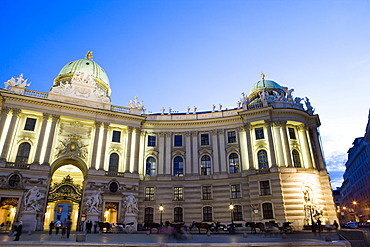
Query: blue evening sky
[177,53]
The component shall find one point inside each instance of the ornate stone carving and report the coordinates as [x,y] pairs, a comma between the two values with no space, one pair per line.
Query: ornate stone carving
[65,189]
[72,146]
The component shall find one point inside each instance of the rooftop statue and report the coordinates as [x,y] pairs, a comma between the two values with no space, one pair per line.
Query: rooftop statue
[18,82]
[32,198]
[135,104]
[310,109]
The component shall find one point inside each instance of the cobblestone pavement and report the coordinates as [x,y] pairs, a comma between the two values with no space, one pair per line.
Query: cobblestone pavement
[142,237]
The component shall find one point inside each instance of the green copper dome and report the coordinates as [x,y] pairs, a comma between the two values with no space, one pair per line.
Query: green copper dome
[267,85]
[264,84]
[81,65]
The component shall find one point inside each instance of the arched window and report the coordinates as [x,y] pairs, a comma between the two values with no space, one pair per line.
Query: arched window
[205,165]
[113,162]
[178,214]
[207,214]
[23,153]
[233,163]
[148,215]
[262,160]
[267,211]
[178,166]
[237,213]
[150,166]
[296,159]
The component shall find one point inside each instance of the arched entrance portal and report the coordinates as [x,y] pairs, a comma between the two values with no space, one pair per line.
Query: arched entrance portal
[65,195]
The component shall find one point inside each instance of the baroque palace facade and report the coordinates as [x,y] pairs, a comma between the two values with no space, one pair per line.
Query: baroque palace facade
[263,157]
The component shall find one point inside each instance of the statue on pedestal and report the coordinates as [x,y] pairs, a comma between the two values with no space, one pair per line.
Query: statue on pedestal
[31,200]
[93,202]
[130,204]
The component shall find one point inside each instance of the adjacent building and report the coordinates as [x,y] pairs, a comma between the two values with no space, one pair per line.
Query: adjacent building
[355,190]
[263,157]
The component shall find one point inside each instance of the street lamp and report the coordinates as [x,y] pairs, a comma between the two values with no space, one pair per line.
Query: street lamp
[231,207]
[354,210]
[309,206]
[161,208]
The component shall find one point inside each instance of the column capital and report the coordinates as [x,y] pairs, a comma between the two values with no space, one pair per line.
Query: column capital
[194,133]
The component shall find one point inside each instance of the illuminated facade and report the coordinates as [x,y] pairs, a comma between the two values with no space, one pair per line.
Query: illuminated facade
[355,190]
[264,156]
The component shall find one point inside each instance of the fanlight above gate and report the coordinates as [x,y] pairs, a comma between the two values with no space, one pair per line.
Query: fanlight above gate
[66,190]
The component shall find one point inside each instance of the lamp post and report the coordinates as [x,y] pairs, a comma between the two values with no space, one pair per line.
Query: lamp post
[344,214]
[354,210]
[161,208]
[231,207]
[309,206]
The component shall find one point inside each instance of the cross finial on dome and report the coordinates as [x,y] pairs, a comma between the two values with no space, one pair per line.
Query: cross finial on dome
[262,76]
[89,55]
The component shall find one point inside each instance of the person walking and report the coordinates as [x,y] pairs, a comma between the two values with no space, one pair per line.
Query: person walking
[19,231]
[68,227]
[64,228]
[51,227]
[335,225]
[58,224]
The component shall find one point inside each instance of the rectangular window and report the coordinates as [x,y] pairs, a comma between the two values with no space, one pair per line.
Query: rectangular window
[30,124]
[235,191]
[291,133]
[204,139]
[177,194]
[178,140]
[267,211]
[116,136]
[231,137]
[148,215]
[207,214]
[178,215]
[151,141]
[237,213]
[265,188]
[259,133]
[206,192]
[149,194]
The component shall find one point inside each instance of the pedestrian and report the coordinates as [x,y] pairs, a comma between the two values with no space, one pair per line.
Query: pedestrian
[95,227]
[19,230]
[64,228]
[58,224]
[68,226]
[88,226]
[319,226]
[51,227]
[335,225]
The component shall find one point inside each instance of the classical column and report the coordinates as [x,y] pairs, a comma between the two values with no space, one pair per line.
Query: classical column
[224,165]
[161,161]
[195,166]
[10,133]
[135,153]
[168,165]
[216,163]
[271,144]
[306,147]
[49,145]
[4,115]
[95,145]
[316,144]
[188,152]
[128,149]
[247,127]
[288,156]
[243,149]
[141,162]
[40,141]
[103,146]
[278,142]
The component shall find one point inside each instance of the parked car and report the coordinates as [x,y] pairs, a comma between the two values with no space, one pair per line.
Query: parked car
[352,225]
